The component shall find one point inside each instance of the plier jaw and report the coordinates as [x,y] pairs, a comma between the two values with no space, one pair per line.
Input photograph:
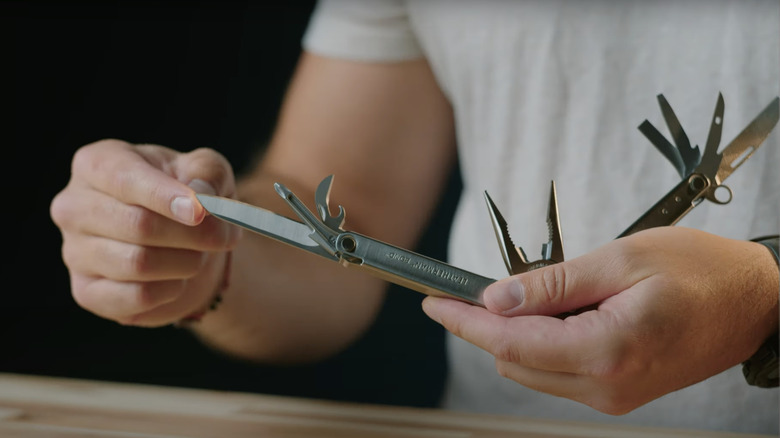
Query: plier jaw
[514,257]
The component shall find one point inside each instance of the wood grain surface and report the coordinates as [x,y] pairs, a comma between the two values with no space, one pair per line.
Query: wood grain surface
[35,406]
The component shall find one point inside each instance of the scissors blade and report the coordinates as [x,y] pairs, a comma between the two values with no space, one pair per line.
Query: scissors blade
[749,140]
[263,222]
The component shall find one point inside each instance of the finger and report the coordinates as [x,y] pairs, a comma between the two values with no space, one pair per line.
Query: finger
[559,384]
[120,170]
[97,214]
[580,344]
[205,171]
[197,297]
[121,301]
[566,286]
[603,396]
[100,257]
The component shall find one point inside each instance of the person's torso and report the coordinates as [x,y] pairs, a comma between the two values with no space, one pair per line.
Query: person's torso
[555,90]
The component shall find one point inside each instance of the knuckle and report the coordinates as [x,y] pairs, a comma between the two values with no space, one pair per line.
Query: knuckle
[68,253]
[123,176]
[193,261]
[212,166]
[86,295]
[630,255]
[610,369]
[502,368]
[614,365]
[121,302]
[144,301]
[553,282]
[454,327]
[143,223]
[83,158]
[138,260]
[142,297]
[209,157]
[87,158]
[81,297]
[505,349]
[121,180]
[58,210]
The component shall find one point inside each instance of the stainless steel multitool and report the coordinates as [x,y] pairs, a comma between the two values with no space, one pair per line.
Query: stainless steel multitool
[323,234]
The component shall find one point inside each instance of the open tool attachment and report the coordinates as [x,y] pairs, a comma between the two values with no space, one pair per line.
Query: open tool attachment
[514,257]
[702,174]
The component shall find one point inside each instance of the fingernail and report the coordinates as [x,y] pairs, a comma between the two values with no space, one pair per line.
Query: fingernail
[183,209]
[200,186]
[507,296]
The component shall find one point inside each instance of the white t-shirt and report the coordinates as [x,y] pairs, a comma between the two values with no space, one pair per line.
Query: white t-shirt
[546,90]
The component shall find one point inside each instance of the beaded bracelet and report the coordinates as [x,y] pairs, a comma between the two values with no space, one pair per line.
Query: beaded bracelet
[215,302]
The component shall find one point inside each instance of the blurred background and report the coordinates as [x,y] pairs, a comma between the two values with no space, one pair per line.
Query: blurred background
[184,75]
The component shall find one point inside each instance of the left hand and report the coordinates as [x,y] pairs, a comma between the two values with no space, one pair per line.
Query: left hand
[669,307]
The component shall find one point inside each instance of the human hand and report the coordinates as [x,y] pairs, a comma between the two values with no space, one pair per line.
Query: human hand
[139,247]
[669,307]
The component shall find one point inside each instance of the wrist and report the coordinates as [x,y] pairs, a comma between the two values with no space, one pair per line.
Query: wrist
[762,368]
[771,244]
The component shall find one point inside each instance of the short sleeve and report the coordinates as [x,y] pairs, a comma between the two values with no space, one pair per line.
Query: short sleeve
[362,31]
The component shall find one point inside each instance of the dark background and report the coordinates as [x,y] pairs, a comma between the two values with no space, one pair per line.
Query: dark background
[185,75]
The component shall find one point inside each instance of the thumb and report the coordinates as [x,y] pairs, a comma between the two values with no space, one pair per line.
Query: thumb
[140,175]
[199,171]
[557,288]
[205,171]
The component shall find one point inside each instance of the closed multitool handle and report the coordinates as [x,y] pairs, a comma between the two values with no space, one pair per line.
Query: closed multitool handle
[409,269]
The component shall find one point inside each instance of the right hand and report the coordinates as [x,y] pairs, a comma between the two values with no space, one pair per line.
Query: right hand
[139,247]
